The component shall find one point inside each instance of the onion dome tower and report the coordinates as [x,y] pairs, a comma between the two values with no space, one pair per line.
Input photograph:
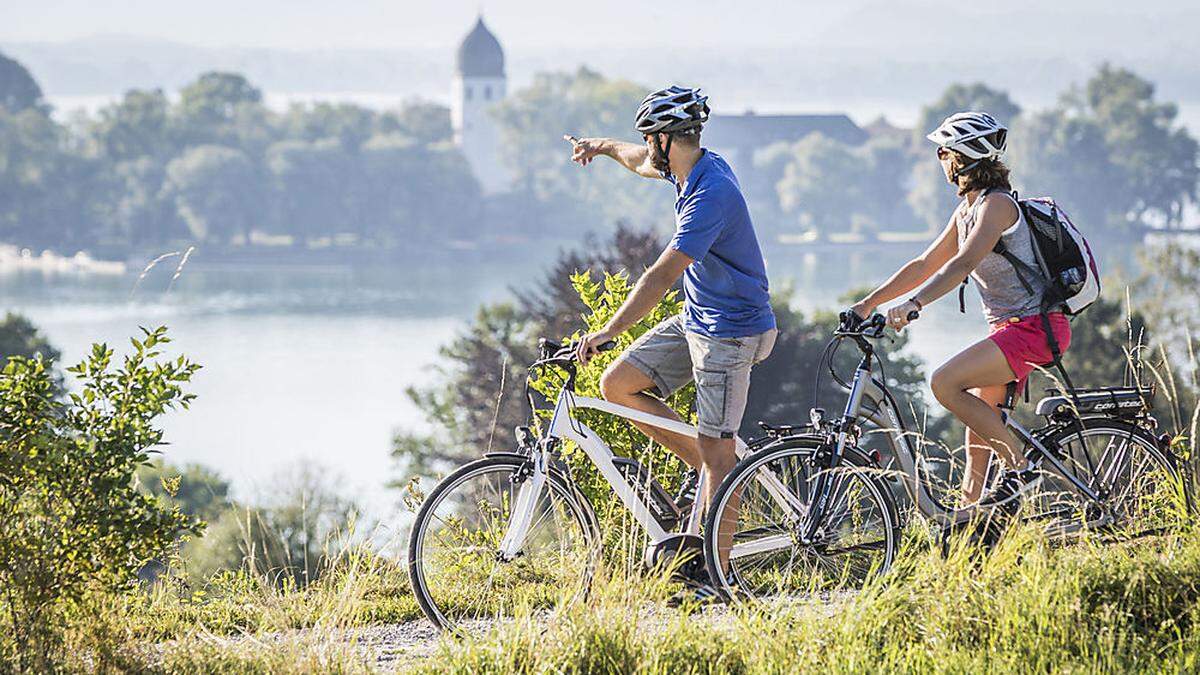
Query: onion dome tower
[479,84]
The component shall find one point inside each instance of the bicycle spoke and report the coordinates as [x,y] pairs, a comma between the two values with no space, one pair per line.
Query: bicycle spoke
[1125,467]
[461,572]
[854,536]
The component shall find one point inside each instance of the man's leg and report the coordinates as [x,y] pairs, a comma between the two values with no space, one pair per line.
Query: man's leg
[624,384]
[719,457]
[722,388]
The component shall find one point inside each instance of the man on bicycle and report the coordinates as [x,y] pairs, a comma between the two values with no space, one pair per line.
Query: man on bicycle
[727,324]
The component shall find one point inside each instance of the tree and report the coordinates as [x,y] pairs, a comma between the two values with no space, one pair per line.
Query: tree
[18,90]
[1066,157]
[225,109]
[759,185]
[314,185]
[1165,294]
[46,189]
[20,338]
[423,121]
[1157,159]
[885,165]
[292,538]
[136,126]
[198,491]
[137,209]
[531,123]
[347,124]
[416,193]
[217,191]
[822,184]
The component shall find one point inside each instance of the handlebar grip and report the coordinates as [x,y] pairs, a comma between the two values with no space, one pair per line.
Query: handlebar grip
[570,347]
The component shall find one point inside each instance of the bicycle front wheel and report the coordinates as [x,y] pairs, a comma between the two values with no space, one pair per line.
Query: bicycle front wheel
[457,574]
[752,538]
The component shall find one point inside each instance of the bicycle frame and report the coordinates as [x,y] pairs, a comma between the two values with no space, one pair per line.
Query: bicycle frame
[869,399]
[564,426]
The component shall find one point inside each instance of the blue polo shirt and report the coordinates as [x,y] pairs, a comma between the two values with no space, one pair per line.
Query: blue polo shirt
[725,288]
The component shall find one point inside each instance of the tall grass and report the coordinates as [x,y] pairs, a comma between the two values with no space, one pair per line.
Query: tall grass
[1028,606]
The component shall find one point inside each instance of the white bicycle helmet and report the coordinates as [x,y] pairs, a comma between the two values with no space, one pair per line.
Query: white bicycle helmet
[977,135]
[671,109]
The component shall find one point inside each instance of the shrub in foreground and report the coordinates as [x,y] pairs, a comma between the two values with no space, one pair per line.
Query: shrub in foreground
[73,518]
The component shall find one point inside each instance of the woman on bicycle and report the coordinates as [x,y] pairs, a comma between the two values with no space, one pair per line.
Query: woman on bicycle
[972,384]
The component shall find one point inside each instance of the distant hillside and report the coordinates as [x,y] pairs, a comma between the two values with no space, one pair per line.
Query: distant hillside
[892,81]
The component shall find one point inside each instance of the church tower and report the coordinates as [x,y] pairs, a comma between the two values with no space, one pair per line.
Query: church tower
[479,84]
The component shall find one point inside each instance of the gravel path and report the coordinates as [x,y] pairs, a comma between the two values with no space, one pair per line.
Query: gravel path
[395,647]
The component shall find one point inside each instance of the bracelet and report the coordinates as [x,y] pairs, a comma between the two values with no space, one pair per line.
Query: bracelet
[920,307]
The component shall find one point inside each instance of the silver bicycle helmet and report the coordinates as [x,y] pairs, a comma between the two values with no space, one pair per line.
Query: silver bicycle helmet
[977,135]
[670,110]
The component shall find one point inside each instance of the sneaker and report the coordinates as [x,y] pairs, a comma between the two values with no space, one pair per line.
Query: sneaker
[1009,488]
[698,595]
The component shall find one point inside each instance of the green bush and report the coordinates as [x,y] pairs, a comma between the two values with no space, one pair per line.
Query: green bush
[74,520]
[602,298]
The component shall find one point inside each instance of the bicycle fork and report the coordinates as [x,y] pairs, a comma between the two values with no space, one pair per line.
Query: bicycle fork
[521,516]
[825,484]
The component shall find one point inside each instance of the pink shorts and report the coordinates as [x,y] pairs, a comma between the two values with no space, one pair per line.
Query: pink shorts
[1023,342]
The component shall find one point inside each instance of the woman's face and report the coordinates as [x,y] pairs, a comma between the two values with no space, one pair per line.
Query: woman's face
[946,158]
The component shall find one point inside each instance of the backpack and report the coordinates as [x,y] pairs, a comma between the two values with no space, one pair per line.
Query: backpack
[1064,257]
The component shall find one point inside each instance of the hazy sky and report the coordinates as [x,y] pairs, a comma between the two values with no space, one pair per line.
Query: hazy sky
[1144,27]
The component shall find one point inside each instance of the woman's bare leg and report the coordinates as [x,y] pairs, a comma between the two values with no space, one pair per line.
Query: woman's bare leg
[978,366]
[978,451]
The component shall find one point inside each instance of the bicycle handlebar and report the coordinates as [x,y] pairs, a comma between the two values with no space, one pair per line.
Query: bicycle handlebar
[557,352]
[851,325]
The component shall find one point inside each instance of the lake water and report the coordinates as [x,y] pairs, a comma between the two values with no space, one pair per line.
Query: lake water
[311,363]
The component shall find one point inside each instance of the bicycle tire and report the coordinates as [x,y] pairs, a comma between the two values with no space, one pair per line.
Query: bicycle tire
[737,582]
[503,467]
[1159,506]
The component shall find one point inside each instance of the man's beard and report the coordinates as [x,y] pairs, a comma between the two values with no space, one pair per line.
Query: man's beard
[658,159]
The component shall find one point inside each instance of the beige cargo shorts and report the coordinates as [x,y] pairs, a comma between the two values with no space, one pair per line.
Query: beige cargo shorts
[672,356]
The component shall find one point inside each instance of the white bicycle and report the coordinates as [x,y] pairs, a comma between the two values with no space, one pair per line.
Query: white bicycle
[514,530]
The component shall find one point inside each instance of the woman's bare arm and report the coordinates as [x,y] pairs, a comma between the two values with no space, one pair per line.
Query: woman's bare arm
[995,216]
[914,272]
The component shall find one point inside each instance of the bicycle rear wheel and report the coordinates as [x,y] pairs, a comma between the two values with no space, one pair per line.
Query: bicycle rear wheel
[1139,484]
[453,563]
[766,499]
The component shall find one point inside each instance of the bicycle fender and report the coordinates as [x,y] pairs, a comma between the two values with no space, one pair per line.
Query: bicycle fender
[855,454]
[555,464]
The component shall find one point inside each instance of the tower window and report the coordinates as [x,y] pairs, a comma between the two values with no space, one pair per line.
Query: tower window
[487,92]
[467,93]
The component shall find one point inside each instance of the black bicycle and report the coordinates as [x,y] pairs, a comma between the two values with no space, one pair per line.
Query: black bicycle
[1104,470]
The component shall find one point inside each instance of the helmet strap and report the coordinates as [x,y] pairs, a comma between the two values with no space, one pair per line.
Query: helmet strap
[960,171]
[665,150]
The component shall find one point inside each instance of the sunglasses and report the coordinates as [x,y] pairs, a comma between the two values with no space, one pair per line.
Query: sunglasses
[943,153]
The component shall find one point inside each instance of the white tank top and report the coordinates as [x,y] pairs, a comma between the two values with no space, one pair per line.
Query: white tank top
[1000,289]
